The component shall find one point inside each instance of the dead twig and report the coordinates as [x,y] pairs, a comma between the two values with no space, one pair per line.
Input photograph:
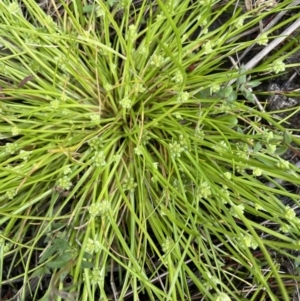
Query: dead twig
[257,58]
[272,23]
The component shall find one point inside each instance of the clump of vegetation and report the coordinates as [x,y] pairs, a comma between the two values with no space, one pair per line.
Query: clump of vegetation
[129,166]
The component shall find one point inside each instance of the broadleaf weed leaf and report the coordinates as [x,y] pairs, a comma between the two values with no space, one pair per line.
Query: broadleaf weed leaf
[287,137]
[56,264]
[231,97]
[61,244]
[249,96]
[48,253]
[253,84]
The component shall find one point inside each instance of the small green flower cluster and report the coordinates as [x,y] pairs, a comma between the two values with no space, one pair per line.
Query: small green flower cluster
[48,21]
[278,66]
[10,194]
[225,107]
[99,159]
[224,195]
[213,280]
[14,8]
[199,133]
[176,148]
[143,51]
[55,104]
[248,240]
[263,39]
[203,190]
[17,169]
[283,164]
[177,116]
[11,148]
[139,88]
[267,135]
[155,165]
[214,87]
[160,17]
[15,131]
[3,69]
[207,47]
[241,168]
[107,86]
[35,66]
[146,137]
[96,143]
[285,228]
[99,11]
[99,209]
[126,103]
[258,207]
[95,118]
[183,97]
[124,3]
[271,148]
[25,154]
[167,245]
[289,213]
[138,150]
[206,2]
[171,5]
[129,184]
[228,175]
[95,276]
[178,186]
[116,158]
[132,33]
[67,170]
[221,147]
[3,244]
[92,246]
[257,172]
[243,150]
[64,183]
[178,77]
[61,62]
[240,22]
[237,210]
[222,297]
[157,60]
[267,138]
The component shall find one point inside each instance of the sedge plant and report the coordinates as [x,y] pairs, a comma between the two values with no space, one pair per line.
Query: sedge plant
[130,169]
